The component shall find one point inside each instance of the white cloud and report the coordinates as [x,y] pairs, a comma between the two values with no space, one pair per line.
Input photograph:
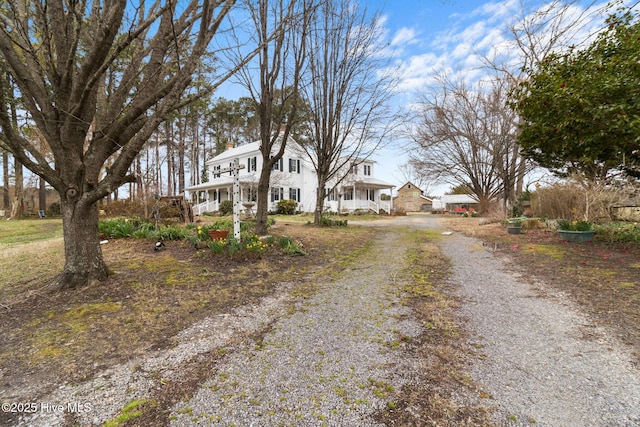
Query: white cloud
[483,31]
[404,36]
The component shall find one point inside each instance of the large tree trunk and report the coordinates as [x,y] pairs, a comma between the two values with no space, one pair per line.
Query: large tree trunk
[83,256]
[262,208]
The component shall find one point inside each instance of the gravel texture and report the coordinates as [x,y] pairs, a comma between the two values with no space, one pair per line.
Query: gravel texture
[113,388]
[328,363]
[545,363]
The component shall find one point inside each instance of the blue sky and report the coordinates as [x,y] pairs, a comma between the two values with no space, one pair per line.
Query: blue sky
[431,36]
[426,37]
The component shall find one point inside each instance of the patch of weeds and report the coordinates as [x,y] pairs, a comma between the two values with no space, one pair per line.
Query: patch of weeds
[627,284]
[217,246]
[552,251]
[328,222]
[437,390]
[290,247]
[186,411]
[130,411]
[380,388]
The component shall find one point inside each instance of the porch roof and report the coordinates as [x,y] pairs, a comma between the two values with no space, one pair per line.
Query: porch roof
[222,182]
[369,182]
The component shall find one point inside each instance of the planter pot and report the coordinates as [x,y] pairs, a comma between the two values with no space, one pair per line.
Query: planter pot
[218,234]
[576,236]
[514,230]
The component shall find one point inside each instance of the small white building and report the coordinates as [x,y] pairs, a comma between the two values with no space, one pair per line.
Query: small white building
[453,202]
[293,177]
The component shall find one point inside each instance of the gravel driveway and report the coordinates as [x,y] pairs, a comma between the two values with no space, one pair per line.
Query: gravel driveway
[544,363]
[334,359]
[328,363]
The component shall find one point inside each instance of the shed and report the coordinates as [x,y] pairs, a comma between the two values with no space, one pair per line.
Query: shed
[411,199]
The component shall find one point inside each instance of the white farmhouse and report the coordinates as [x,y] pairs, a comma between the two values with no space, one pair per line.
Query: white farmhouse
[293,177]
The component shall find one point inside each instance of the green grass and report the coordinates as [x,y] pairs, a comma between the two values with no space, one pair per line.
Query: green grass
[16,232]
[129,412]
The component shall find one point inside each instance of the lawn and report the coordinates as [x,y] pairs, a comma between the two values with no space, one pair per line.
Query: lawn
[149,297]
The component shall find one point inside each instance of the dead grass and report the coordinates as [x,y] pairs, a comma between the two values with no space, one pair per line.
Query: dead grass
[149,297]
[444,394]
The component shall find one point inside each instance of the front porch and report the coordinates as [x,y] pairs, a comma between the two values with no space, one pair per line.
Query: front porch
[363,195]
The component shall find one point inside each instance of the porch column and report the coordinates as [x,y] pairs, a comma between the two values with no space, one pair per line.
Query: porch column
[354,197]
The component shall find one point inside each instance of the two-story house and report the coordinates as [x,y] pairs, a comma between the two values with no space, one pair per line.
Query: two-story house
[293,177]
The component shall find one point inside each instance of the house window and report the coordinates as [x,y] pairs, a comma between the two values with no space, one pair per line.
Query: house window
[416,194]
[279,165]
[348,194]
[252,164]
[294,166]
[216,169]
[277,194]
[230,169]
[371,194]
[294,194]
[354,169]
[331,194]
[367,170]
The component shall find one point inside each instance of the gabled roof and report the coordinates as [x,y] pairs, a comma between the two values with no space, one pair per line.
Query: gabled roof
[232,153]
[409,183]
[253,147]
[422,196]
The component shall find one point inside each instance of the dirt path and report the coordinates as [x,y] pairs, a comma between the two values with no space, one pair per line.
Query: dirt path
[544,363]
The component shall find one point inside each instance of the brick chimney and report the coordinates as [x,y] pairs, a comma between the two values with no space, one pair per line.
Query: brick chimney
[229,145]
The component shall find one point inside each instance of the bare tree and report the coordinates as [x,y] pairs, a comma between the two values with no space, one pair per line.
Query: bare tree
[532,36]
[279,28]
[347,90]
[467,136]
[60,55]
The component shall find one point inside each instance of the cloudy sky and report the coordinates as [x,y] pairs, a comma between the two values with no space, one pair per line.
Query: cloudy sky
[427,37]
[431,36]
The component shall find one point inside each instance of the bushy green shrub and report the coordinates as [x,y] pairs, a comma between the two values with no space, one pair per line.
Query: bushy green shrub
[169,233]
[125,227]
[287,207]
[619,232]
[226,207]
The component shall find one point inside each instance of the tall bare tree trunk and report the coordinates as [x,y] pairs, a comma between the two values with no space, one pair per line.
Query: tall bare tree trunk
[6,200]
[17,208]
[42,195]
